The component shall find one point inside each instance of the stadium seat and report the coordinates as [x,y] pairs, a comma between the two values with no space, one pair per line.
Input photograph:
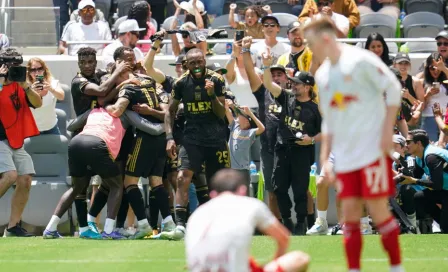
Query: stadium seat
[167,23]
[220,49]
[242,4]
[279,6]
[375,22]
[62,122]
[104,6]
[420,47]
[434,6]
[422,24]
[67,104]
[5,207]
[284,19]
[393,47]
[223,21]
[124,6]
[50,155]
[154,23]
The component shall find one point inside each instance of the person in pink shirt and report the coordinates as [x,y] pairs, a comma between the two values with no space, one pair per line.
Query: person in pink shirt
[141,12]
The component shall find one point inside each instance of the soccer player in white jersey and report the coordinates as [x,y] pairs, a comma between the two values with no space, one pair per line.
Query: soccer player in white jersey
[219,232]
[358,127]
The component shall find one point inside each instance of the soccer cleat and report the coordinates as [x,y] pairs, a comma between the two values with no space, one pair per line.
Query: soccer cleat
[114,235]
[93,227]
[177,234]
[337,230]
[141,232]
[300,229]
[168,226]
[17,231]
[320,227]
[124,232]
[366,229]
[90,234]
[51,234]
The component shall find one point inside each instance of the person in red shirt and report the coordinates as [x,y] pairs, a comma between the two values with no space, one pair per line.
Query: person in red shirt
[16,124]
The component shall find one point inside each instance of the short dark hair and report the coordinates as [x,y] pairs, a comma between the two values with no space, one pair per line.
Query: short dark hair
[10,52]
[119,52]
[193,51]
[227,180]
[419,135]
[86,51]
[139,11]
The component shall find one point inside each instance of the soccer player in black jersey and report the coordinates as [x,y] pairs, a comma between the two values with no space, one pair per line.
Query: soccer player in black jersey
[299,128]
[147,157]
[202,93]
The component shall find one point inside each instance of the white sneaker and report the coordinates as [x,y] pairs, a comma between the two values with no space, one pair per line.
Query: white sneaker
[177,234]
[320,227]
[366,229]
[125,232]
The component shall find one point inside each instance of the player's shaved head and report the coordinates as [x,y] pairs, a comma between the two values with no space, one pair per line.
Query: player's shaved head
[324,25]
[195,52]
[229,180]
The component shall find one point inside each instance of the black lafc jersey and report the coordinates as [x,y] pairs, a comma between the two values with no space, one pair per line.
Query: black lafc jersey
[202,126]
[145,93]
[296,116]
[81,101]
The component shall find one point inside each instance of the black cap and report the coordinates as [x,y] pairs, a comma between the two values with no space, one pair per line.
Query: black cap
[293,26]
[216,67]
[278,67]
[401,57]
[267,17]
[442,34]
[179,60]
[303,77]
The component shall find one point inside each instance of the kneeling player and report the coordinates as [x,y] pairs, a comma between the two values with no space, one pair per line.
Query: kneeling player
[219,233]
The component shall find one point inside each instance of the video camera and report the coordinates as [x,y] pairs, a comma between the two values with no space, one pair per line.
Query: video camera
[407,168]
[196,36]
[16,72]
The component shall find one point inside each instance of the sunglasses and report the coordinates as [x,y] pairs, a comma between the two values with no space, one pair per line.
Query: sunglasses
[442,43]
[34,70]
[269,25]
[134,33]
[88,10]
[324,4]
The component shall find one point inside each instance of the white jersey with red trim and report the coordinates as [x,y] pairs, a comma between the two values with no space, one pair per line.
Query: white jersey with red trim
[219,233]
[351,94]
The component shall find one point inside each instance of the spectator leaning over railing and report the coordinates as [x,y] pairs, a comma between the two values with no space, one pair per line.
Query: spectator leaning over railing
[347,8]
[194,12]
[186,37]
[251,24]
[376,43]
[40,79]
[4,41]
[16,124]
[141,12]
[326,8]
[388,7]
[84,30]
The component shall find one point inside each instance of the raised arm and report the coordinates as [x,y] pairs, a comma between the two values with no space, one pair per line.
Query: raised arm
[254,80]
[260,126]
[148,63]
[273,88]
[230,66]
[229,105]
[232,22]
[198,16]
[174,42]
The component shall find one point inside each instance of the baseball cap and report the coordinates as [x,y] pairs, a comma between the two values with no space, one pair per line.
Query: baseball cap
[398,139]
[303,77]
[217,67]
[402,57]
[442,34]
[251,121]
[293,27]
[129,25]
[188,6]
[179,60]
[85,3]
[278,67]
[267,17]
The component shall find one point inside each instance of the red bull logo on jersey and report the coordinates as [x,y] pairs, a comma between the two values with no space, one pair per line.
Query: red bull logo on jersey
[341,101]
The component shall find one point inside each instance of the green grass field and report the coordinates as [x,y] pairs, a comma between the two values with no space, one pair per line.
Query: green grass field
[421,253]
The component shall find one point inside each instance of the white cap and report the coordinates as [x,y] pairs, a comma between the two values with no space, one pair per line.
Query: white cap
[188,6]
[85,3]
[130,25]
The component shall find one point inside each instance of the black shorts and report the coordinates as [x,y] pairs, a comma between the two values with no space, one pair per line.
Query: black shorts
[88,156]
[147,157]
[126,145]
[195,157]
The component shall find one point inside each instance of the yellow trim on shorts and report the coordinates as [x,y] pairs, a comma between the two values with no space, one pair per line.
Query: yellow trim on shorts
[135,153]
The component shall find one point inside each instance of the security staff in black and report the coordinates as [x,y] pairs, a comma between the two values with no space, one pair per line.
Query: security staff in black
[202,93]
[299,128]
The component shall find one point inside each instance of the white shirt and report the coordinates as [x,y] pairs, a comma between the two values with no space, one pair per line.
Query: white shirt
[219,233]
[341,22]
[108,53]
[77,31]
[240,87]
[441,98]
[45,116]
[259,48]
[351,95]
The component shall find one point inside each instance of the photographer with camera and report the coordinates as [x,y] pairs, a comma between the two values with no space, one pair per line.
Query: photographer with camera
[40,79]
[16,124]
[432,161]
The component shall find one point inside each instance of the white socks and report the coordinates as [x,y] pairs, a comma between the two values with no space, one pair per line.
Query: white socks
[90,218]
[83,229]
[167,219]
[53,224]
[143,223]
[396,268]
[322,214]
[354,270]
[109,225]
[365,220]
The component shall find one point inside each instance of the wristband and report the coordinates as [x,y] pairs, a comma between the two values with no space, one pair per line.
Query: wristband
[313,141]
[212,96]
[265,67]
[245,50]
[169,137]
[154,48]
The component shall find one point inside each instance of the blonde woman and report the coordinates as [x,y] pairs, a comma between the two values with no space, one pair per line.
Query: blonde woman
[41,80]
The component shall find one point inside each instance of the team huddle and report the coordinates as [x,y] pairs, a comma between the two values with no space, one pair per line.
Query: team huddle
[130,125]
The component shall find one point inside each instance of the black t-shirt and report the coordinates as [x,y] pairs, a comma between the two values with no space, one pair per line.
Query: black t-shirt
[269,112]
[145,93]
[168,84]
[2,128]
[406,105]
[296,117]
[81,101]
[293,61]
[202,126]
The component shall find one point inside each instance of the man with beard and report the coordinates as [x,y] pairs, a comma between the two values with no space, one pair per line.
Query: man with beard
[128,35]
[298,130]
[202,93]
[147,157]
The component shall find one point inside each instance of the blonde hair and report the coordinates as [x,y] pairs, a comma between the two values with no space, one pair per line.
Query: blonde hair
[47,73]
[321,25]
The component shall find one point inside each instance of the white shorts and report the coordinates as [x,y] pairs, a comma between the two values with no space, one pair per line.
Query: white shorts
[330,160]
[15,160]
